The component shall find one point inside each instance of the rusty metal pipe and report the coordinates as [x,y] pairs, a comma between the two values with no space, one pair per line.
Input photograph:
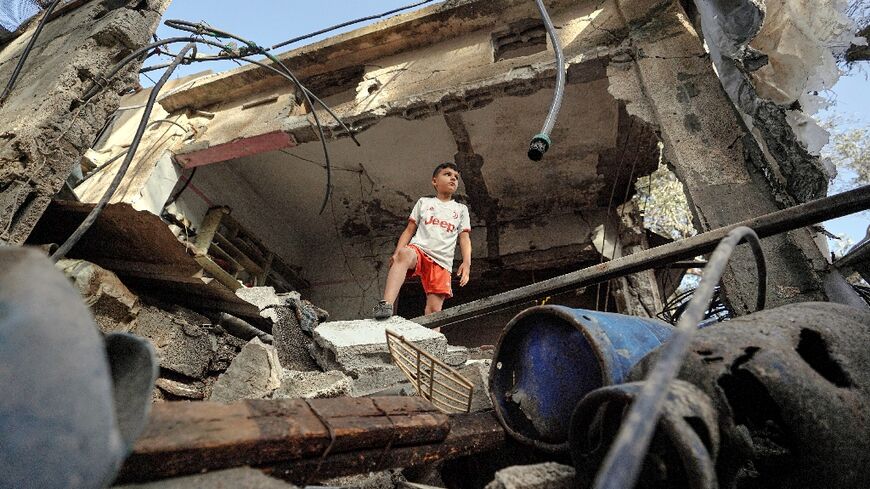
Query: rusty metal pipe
[796,217]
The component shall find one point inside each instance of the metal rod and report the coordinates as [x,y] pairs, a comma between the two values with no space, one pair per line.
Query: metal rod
[623,462]
[767,225]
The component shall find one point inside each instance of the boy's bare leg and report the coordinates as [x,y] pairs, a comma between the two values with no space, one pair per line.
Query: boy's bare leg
[405,259]
[433,304]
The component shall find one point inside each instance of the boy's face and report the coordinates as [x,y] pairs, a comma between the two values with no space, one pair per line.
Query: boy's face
[446,181]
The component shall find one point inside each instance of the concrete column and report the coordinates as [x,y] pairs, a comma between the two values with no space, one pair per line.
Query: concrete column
[669,80]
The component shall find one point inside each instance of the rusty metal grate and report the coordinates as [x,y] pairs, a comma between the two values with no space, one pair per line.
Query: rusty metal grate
[434,380]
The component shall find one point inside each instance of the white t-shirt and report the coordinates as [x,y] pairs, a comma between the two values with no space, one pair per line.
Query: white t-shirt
[438,226]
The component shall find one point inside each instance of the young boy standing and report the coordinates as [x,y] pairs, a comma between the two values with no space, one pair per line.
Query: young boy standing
[427,245]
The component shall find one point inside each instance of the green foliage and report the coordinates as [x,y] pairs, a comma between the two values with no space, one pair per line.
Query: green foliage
[849,150]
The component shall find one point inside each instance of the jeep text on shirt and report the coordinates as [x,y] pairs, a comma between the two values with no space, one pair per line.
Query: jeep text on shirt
[438,227]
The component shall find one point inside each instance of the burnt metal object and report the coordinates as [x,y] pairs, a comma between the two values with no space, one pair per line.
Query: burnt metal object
[767,225]
[622,464]
[683,450]
[792,389]
[549,357]
[69,411]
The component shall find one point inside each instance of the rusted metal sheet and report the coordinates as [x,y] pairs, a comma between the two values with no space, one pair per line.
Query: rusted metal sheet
[239,148]
[188,438]
[469,434]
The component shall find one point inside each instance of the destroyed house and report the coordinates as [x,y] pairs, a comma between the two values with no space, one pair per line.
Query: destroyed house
[231,239]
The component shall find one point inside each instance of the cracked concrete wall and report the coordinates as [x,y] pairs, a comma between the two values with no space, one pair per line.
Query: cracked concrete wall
[726,178]
[44,133]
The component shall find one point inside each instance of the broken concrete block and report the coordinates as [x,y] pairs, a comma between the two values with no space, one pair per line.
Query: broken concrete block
[549,475]
[254,374]
[290,317]
[238,478]
[456,356]
[182,346]
[477,372]
[180,389]
[227,347]
[359,348]
[313,385]
[387,479]
[289,339]
[264,297]
[113,305]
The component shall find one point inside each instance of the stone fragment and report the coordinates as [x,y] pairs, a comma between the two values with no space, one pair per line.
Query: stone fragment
[477,372]
[387,479]
[227,347]
[180,389]
[549,475]
[313,385]
[359,348]
[456,356]
[238,478]
[113,305]
[182,346]
[291,318]
[254,374]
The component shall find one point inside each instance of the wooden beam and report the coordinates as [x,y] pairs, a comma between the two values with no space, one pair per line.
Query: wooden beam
[767,225]
[469,434]
[191,437]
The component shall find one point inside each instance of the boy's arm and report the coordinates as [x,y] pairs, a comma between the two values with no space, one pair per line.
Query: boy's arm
[404,239]
[464,270]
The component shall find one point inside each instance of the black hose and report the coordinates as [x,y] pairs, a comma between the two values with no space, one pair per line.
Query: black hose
[131,152]
[26,52]
[345,24]
[96,87]
[541,142]
[175,196]
[624,458]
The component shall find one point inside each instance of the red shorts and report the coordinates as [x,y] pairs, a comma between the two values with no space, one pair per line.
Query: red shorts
[435,279]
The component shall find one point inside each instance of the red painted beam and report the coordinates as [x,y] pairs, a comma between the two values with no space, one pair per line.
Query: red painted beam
[237,148]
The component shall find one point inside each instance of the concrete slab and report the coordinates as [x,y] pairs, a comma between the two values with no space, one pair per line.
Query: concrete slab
[359,348]
[313,385]
[254,374]
[240,478]
[549,475]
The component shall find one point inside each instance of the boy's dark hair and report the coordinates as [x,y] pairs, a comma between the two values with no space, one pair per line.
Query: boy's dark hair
[442,166]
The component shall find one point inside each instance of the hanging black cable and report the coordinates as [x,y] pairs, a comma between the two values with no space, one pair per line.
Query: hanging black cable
[103,80]
[137,138]
[176,195]
[345,24]
[26,52]
[252,48]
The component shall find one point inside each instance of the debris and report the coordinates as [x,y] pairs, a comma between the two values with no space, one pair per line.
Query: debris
[477,372]
[313,385]
[549,475]
[182,346]
[432,379]
[188,438]
[469,434]
[291,319]
[387,479]
[359,348]
[254,374]
[113,305]
[240,478]
[456,356]
[179,389]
